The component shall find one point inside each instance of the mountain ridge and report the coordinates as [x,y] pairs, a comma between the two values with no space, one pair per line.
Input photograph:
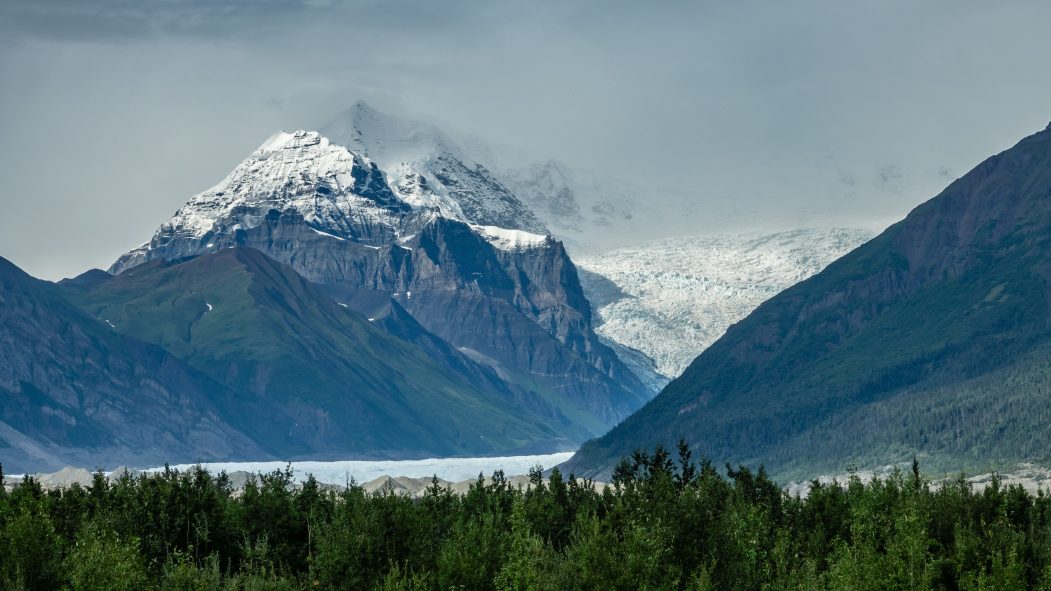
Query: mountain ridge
[75,392]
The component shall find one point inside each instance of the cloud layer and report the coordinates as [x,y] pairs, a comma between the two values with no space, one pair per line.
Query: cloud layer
[113,112]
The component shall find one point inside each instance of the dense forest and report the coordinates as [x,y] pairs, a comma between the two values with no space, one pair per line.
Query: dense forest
[666,522]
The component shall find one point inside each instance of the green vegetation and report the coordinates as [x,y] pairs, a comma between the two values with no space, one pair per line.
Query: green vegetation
[310,374]
[665,523]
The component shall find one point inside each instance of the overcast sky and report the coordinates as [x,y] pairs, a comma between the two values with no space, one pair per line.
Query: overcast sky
[113,113]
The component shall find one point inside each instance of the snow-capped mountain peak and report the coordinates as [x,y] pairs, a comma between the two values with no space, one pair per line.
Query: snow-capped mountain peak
[432,232]
[339,190]
[397,144]
[327,184]
[390,141]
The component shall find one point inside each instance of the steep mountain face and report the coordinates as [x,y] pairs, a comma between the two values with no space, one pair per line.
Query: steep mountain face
[424,234]
[72,391]
[329,382]
[384,312]
[672,298]
[931,339]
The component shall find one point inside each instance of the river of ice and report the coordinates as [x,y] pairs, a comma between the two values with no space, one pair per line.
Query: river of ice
[361,471]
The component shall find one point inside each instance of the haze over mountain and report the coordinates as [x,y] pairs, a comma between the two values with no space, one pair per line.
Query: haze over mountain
[405,149]
[587,211]
[419,301]
[932,339]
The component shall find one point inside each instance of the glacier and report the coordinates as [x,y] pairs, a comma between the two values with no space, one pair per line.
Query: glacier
[342,472]
[670,299]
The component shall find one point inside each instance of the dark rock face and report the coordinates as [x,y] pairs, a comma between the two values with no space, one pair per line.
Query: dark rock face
[482,198]
[954,294]
[72,391]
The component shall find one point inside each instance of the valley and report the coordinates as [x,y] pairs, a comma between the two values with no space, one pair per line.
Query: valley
[552,296]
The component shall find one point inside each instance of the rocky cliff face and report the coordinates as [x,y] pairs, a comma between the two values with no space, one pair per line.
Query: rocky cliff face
[72,391]
[424,234]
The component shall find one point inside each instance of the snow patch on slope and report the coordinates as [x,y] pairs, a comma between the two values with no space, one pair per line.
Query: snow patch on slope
[505,239]
[326,234]
[671,299]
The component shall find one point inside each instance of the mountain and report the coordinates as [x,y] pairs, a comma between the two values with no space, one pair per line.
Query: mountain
[670,299]
[73,391]
[423,233]
[647,319]
[663,272]
[932,339]
[327,382]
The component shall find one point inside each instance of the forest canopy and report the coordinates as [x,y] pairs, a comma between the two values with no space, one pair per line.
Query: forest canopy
[666,522]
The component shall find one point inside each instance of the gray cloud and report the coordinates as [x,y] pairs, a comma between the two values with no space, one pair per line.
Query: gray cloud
[113,112]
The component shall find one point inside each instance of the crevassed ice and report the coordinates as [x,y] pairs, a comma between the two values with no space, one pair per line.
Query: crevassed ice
[679,295]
